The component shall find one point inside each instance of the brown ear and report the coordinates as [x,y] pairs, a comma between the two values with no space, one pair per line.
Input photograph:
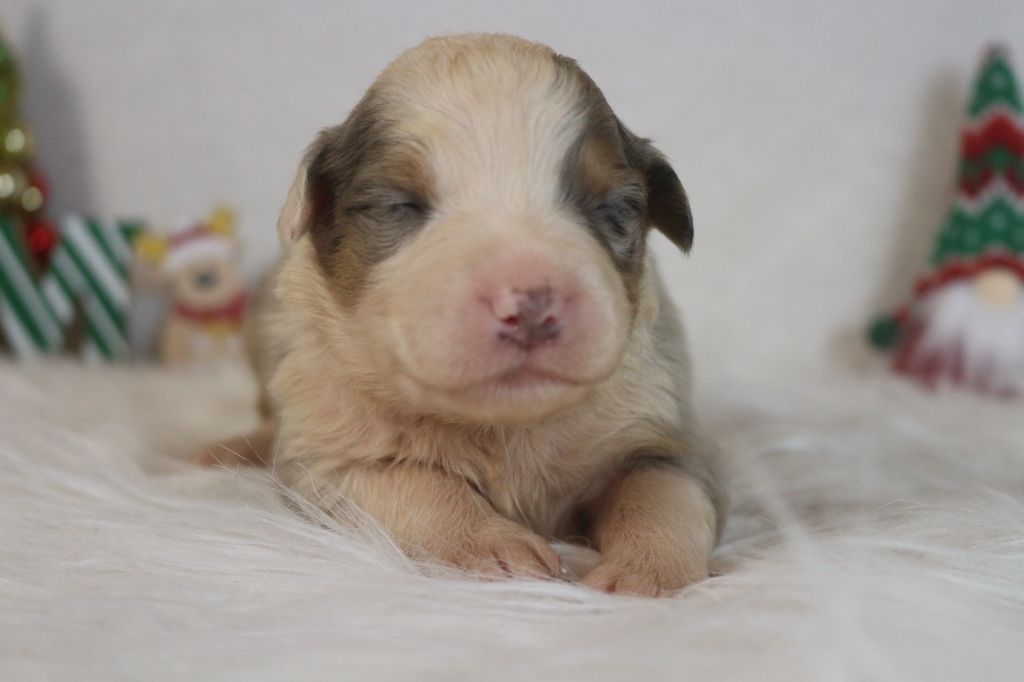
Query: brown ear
[308,198]
[667,206]
[296,216]
[327,168]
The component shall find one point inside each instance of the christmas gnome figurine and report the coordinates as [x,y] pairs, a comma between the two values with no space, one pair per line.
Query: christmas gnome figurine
[965,324]
[208,292]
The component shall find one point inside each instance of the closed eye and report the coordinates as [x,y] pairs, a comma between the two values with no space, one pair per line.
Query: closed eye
[391,209]
[621,210]
[399,210]
[618,219]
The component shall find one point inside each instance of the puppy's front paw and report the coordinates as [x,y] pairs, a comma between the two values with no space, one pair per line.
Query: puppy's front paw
[503,549]
[644,575]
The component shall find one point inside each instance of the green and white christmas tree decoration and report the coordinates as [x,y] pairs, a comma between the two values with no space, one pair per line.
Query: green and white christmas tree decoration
[56,284]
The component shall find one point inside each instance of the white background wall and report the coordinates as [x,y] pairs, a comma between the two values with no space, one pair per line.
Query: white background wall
[816,139]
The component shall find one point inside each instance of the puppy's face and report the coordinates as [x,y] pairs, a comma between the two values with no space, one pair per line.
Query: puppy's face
[481,220]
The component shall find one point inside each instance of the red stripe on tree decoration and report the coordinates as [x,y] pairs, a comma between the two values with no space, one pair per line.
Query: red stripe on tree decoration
[990,149]
[964,269]
[1000,131]
[993,150]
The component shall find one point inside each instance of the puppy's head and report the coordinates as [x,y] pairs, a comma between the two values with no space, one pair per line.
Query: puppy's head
[480,220]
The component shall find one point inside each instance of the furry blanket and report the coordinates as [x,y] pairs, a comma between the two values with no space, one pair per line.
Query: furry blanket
[877,533]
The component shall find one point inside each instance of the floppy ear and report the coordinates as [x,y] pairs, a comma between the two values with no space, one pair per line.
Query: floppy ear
[296,214]
[308,197]
[327,166]
[667,206]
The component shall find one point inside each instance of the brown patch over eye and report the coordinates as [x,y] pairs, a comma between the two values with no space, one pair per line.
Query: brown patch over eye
[619,183]
[369,193]
[600,185]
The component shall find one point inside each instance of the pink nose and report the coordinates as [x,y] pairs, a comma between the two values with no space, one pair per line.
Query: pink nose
[527,317]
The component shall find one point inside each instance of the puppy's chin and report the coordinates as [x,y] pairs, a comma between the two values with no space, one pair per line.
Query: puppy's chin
[522,398]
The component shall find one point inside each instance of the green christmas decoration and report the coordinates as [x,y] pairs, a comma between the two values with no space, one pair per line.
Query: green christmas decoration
[88,278]
[60,288]
[995,87]
[965,323]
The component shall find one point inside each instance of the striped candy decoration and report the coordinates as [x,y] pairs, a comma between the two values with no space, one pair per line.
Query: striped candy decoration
[90,266]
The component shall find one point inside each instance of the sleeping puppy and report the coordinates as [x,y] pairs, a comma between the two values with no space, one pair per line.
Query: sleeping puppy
[467,338]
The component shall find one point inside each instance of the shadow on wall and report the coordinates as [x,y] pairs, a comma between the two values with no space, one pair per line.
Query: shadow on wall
[52,108]
[926,200]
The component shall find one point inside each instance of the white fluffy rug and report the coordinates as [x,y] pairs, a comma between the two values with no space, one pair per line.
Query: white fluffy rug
[877,533]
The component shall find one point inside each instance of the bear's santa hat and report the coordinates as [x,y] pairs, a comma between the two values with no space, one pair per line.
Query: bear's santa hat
[199,242]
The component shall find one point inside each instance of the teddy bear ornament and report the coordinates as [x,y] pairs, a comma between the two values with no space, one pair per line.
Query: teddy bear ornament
[199,264]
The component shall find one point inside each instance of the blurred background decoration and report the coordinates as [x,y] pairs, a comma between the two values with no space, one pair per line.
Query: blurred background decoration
[60,289]
[71,288]
[23,187]
[965,323]
[199,266]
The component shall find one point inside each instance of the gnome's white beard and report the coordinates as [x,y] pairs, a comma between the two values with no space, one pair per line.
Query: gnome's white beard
[958,337]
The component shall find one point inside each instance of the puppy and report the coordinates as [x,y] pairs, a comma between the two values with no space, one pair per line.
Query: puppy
[467,338]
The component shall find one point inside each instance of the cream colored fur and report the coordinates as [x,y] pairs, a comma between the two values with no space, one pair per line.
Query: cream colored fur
[372,414]
[334,418]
